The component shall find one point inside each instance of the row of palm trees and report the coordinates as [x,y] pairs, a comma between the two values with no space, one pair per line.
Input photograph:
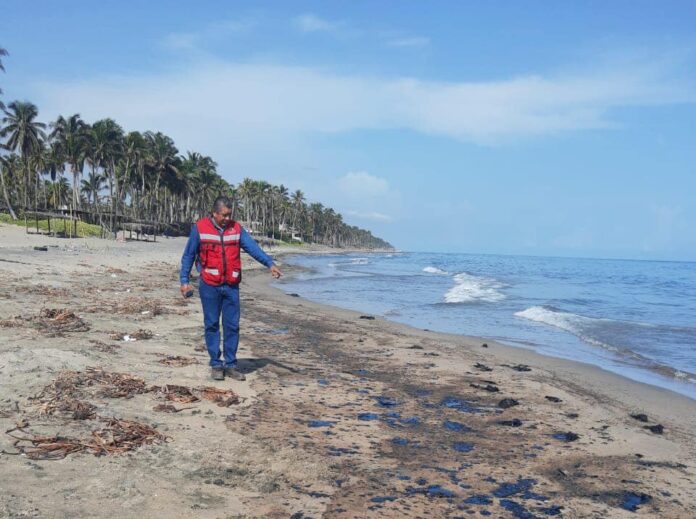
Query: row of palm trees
[102,172]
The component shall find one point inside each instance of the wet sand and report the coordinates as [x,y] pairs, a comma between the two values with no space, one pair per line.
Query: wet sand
[340,415]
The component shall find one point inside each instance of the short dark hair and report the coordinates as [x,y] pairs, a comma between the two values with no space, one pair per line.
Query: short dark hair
[220,202]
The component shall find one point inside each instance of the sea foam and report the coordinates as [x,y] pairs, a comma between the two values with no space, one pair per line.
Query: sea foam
[469,289]
[578,325]
[435,270]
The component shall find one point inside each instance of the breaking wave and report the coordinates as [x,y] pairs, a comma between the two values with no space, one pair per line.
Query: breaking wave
[435,270]
[615,336]
[578,325]
[469,289]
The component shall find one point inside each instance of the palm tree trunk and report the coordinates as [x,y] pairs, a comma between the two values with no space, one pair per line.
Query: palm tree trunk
[4,194]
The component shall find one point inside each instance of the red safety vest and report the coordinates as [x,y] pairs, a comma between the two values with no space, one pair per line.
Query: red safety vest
[219,253]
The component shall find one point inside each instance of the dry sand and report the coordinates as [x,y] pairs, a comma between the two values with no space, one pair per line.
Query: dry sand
[340,416]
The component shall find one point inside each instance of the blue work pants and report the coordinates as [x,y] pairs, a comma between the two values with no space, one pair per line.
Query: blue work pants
[224,300]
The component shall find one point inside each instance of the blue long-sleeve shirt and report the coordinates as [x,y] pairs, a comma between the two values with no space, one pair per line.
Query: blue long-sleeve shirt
[246,242]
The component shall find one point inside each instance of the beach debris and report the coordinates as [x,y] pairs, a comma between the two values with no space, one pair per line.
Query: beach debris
[554,399]
[631,501]
[114,270]
[368,317]
[130,306]
[222,397]
[480,499]
[141,334]
[70,384]
[518,511]
[51,321]
[519,367]
[488,387]
[482,367]
[104,347]
[320,423]
[120,436]
[77,409]
[61,320]
[177,360]
[460,405]
[431,491]
[386,401]
[551,510]
[656,429]
[572,415]
[169,408]
[383,499]
[641,417]
[115,437]
[506,403]
[510,489]
[456,426]
[484,345]
[415,347]
[116,385]
[43,290]
[515,422]
[293,294]
[463,446]
[566,436]
[175,393]
[41,248]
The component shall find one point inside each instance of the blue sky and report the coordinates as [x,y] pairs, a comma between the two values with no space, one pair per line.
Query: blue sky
[542,128]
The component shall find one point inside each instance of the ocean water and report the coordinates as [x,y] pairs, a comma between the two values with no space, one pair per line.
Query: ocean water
[635,318]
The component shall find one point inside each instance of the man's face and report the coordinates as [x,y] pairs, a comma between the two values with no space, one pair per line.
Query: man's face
[223,217]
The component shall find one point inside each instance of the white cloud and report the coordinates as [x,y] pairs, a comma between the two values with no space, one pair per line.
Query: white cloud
[215,31]
[312,23]
[362,184]
[226,103]
[416,41]
[370,215]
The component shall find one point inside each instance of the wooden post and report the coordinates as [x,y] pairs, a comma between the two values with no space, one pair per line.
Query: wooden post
[49,225]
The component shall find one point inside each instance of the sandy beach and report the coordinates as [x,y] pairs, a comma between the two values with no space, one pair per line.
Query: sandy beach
[103,370]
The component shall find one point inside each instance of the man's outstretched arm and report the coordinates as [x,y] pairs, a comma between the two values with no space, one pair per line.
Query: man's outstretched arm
[249,245]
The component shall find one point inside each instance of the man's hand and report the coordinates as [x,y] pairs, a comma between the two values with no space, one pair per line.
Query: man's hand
[185,288]
[275,272]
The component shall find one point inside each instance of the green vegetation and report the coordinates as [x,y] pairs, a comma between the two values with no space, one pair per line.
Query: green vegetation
[84,230]
[109,174]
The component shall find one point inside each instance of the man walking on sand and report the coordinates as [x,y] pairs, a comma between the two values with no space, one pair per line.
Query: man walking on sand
[216,242]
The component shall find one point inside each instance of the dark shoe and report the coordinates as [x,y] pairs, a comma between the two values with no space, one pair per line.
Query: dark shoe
[234,373]
[217,374]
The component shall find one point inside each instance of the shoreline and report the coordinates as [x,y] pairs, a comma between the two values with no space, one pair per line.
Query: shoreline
[641,371]
[339,417]
[634,394]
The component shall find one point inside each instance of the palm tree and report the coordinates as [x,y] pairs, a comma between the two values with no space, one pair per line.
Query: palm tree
[105,147]
[71,137]
[162,160]
[133,163]
[92,186]
[3,52]
[5,168]
[24,134]
[298,200]
[59,192]
[54,165]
